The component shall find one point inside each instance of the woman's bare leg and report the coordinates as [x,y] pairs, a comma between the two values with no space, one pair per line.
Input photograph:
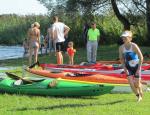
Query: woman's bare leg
[138,86]
[36,54]
[30,55]
[132,85]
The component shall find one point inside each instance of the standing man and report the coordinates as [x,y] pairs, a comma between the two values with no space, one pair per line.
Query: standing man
[49,31]
[59,31]
[92,43]
[85,31]
[52,44]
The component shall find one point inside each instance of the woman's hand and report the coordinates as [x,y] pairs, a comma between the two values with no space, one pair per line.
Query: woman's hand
[138,71]
[126,71]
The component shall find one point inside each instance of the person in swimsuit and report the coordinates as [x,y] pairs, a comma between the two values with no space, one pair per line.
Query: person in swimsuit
[59,31]
[34,41]
[41,43]
[131,58]
[25,46]
[70,52]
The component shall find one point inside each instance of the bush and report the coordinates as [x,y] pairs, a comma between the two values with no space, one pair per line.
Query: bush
[13,28]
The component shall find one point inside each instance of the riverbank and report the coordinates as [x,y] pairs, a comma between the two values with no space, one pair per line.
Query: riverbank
[103,53]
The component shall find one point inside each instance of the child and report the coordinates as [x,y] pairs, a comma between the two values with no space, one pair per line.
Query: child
[71,52]
[25,46]
[41,43]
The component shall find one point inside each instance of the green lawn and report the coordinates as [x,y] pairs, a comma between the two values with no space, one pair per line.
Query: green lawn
[108,104]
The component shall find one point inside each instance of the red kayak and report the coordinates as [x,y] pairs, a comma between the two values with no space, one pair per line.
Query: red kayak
[97,66]
[119,73]
[118,62]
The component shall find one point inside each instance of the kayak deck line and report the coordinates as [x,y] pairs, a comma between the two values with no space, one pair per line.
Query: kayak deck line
[62,87]
[78,80]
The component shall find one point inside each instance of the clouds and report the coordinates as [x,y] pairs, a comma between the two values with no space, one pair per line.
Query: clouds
[21,7]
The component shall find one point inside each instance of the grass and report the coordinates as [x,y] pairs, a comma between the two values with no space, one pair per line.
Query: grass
[108,104]
[116,104]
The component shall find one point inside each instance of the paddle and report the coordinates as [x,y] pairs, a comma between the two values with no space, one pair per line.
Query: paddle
[16,77]
[25,81]
[34,64]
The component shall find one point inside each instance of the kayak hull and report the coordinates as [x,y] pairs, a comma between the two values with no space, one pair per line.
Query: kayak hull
[63,88]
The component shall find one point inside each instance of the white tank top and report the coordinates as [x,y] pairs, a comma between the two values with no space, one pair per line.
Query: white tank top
[130,56]
[59,28]
[127,50]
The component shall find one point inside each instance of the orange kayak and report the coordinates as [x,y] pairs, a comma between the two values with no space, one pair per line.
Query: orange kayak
[96,78]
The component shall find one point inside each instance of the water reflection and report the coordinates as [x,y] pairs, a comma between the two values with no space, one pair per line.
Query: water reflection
[10,52]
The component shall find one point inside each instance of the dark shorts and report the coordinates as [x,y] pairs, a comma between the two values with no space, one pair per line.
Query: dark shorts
[59,46]
[132,71]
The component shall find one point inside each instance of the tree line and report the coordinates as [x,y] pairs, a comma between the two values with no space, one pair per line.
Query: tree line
[13,28]
[128,12]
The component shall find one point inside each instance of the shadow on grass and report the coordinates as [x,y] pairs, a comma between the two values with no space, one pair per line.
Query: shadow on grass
[49,97]
[67,106]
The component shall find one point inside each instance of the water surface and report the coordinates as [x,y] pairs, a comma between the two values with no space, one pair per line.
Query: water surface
[11,52]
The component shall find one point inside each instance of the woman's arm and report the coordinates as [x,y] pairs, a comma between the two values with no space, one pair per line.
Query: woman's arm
[139,53]
[66,30]
[38,35]
[121,58]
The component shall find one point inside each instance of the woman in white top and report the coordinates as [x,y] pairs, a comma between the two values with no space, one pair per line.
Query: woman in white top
[131,59]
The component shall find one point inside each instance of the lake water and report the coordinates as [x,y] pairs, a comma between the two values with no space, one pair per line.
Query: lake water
[10,52]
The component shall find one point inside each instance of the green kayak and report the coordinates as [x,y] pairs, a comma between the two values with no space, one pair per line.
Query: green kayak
[51,87]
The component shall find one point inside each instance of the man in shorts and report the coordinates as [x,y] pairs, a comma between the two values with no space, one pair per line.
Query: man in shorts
[59,31]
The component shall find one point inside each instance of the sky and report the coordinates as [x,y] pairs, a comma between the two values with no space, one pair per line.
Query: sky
[22,7]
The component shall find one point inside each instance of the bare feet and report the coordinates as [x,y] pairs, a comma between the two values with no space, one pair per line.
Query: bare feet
[139,99]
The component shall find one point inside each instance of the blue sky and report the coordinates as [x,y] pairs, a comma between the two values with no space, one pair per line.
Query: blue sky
[21,7]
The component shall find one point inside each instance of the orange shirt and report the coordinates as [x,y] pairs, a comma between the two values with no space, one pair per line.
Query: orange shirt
[70,51]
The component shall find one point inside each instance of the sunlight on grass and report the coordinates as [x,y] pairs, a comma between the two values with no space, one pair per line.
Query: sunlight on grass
[108,104]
